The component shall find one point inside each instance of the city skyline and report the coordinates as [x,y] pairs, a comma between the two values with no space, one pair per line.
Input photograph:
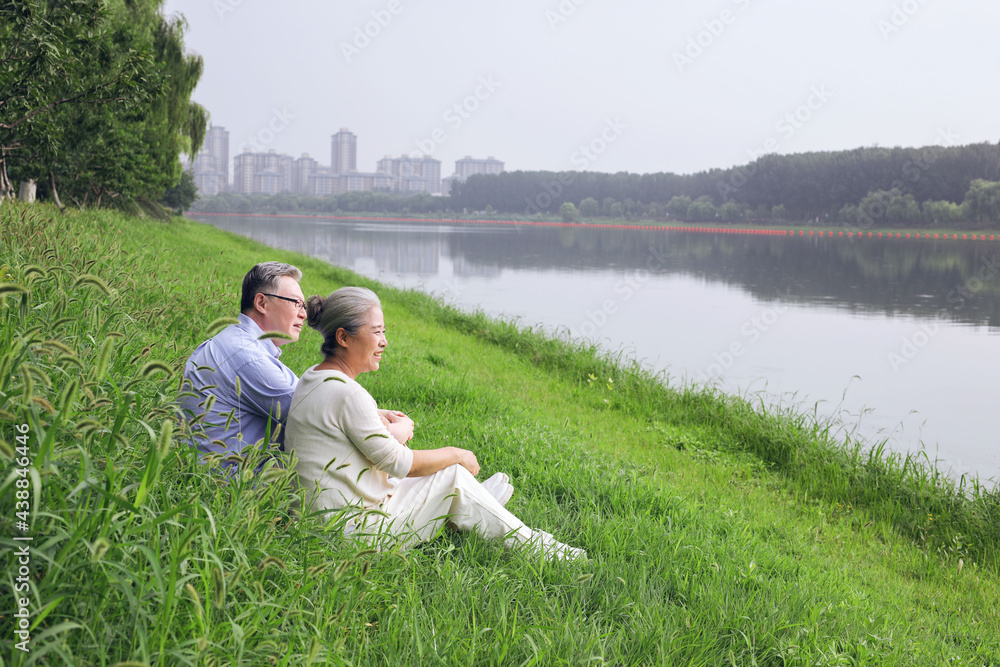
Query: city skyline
[270,172]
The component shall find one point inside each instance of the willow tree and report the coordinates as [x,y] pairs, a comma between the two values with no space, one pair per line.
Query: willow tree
[95,98]
[172,123]
[56,57]
[982,201]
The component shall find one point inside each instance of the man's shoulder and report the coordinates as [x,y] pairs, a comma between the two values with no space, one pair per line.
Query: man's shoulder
[243,329]
[241,337]
[234,348]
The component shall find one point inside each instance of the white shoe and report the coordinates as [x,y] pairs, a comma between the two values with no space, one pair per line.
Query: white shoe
[548,546]
[499,487]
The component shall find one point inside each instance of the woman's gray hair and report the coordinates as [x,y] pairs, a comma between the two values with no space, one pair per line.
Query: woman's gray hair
[264,278]
[347,309]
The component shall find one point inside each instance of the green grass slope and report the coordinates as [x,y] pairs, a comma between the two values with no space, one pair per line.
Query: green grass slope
[717,534]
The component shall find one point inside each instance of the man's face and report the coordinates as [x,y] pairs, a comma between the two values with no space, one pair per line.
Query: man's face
[281,315]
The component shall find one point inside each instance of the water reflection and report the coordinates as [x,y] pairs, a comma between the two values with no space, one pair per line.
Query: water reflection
[957,280]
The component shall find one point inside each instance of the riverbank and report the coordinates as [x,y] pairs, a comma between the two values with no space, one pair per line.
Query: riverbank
[717,535]
[844,230]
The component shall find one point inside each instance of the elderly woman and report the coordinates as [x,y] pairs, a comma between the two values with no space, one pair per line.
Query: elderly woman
[351,454]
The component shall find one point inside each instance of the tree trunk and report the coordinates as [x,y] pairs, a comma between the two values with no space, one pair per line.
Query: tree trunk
[55,193]
[6,189]
[28,189]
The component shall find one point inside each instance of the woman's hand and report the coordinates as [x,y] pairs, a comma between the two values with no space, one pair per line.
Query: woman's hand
[401,430]
[399,425]
[392,416]
[468,461]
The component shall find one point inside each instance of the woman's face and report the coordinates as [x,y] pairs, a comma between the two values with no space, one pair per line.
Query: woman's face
[364,351]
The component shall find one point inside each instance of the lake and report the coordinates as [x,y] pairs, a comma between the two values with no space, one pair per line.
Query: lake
[895,340]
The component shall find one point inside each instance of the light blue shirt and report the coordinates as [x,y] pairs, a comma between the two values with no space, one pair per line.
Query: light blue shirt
[239,416]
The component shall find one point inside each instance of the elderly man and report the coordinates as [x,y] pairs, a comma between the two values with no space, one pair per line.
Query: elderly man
[236,391]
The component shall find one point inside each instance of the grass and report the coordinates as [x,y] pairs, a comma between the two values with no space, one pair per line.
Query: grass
[718,534]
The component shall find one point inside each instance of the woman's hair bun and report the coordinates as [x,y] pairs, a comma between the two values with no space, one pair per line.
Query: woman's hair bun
[314,310]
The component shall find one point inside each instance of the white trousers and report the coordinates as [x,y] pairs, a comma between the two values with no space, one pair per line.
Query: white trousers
[421,505]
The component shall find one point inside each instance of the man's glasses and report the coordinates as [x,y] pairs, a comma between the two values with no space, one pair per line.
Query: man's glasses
[299,303]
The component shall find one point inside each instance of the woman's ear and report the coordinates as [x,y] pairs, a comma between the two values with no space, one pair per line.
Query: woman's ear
[341,337]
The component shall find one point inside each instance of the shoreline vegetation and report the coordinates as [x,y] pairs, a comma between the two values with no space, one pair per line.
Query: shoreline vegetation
[844,230]
[718,532]
[860,190]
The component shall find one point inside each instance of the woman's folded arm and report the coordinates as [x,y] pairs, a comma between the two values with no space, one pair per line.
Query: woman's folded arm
[429,461]
[361,422]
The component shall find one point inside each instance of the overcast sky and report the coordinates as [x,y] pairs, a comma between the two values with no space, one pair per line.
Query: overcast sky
[642,85]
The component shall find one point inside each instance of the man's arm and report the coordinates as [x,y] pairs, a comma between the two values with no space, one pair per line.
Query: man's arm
[267,386]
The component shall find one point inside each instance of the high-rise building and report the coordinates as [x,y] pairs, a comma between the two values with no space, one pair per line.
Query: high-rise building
[469,166]
[268,182]
[305,167]
[343,152]
[412,174]
[217,143]
[362,182]
[267,173]
[207,180]
[243,171]
[285,167]
[322,184]
[211,165]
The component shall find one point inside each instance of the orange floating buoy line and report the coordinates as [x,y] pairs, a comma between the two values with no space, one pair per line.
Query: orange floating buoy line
[594,225]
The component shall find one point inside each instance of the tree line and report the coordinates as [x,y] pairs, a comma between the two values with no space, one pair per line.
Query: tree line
[95,101]
[864,186]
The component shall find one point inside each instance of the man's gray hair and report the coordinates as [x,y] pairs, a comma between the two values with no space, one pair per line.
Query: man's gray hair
[264,278]
[347,309]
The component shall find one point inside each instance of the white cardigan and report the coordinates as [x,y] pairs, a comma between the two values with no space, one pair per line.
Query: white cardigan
[344,450]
